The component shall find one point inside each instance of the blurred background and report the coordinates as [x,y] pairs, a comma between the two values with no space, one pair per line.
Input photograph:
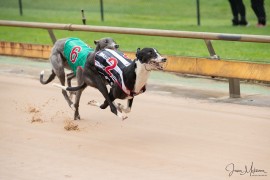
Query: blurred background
[215,16]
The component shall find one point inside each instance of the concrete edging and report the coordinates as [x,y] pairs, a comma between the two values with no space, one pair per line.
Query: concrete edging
[186,65]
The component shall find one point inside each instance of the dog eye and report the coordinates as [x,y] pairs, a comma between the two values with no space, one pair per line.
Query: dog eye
[106,41]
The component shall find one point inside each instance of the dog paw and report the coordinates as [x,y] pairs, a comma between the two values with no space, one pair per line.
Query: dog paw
[94,103]
[73,107]
[119,107]
[123,116]
[122,108]
[71,95]
[127,110]
[77,117]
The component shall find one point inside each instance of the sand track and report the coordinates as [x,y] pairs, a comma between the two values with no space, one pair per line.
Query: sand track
[163,138]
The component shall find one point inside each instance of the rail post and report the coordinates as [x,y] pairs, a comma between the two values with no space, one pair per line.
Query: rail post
[211,49]
[234,81]
[52,36]
[234,88]
[101,10]
[83,17]
[198,13]
[20,6]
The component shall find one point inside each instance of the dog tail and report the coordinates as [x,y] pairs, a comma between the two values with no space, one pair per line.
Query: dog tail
[70,88]
[52,76]
[82,86]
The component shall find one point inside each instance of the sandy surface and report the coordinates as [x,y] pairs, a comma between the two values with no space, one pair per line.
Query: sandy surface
[165,137]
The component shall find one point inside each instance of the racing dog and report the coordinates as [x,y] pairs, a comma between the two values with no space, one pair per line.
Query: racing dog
[72,53]
[127,78]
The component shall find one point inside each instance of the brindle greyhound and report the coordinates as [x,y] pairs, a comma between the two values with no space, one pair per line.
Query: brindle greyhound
[134,77]
[64,55]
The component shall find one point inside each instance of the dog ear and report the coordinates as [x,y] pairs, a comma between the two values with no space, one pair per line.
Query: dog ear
[138,53]
[97,45]
[96,41]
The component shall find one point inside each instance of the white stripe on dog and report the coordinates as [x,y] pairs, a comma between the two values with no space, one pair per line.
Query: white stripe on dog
[123,60]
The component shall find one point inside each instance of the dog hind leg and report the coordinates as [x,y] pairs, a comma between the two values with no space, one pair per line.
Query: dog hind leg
[100,85]
[70,76]
[58,68]
[79,76]
[62,81]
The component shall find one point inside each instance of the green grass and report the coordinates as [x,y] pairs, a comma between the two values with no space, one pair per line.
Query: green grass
[153,14]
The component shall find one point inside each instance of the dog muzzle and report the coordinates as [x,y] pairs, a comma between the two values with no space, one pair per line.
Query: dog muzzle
[158,65]
[114,47]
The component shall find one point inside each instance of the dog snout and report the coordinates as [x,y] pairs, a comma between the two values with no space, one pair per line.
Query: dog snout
[163,59]
[116,46]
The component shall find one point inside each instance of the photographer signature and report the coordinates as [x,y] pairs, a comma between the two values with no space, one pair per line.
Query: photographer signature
[252,171]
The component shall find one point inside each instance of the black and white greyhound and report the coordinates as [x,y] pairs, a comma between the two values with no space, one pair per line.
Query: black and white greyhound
[72,53]
[127,78]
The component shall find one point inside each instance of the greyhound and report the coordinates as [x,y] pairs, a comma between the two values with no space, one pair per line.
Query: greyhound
[127,78]
[72,53]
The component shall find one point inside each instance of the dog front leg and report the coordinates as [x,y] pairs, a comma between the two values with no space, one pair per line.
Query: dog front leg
[80,80]
[76,104]
[128,108]
[103,89]
[64,92]
[105,104]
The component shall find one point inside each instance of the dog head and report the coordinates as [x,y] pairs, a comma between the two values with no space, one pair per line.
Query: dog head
[151,58]
[107,42]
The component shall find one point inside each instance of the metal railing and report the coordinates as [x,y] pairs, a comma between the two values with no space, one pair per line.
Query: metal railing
[139,31]
[234,83]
